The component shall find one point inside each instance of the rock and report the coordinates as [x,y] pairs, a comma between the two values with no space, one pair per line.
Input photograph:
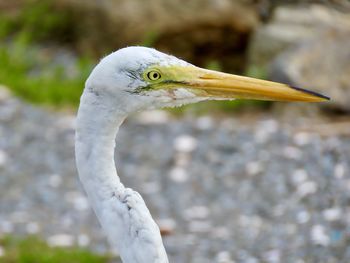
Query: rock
[306,47]
[210,33]
[198,31]
[167,226]
[281,196]
[202,32]
[61,240]
[321,64]
[289,26]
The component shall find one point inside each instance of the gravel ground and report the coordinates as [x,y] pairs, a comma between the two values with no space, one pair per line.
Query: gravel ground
[222,189]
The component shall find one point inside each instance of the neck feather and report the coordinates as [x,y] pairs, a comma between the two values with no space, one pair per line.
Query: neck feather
[121,211]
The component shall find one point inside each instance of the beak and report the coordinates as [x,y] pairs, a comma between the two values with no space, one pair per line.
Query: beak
[218,85]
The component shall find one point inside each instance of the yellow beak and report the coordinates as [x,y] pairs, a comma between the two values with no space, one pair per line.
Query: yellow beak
[218,85]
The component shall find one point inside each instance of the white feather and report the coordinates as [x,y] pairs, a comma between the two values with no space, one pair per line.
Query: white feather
[105,103]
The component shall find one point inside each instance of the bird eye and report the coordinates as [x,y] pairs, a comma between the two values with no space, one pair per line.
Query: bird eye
[153,75]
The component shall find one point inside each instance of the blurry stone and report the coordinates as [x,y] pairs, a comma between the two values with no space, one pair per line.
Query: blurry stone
[83,240]
[250,259]
[78,200]
[55,180]
[151,187]
[290,26]
[309,47]
[339,170]
[67,122]
[81,203]
[185,143]
[269,125]
[204,123]
[303,217]
[7,113]
[182,159]
[167,226]
[224,257]
[332,214]
[291,152]
[254,168]
[61,240]
[178,174]
[322,64]
[299,176]
[196,212]
[261,136]
[302,182]
[3,158]
[291,229]
[6,227]
[306,188]
[199,31]
[319,236]
[273,256]
[197,226]
[278,210]
[302,138]
[4,93]
[220,232]
[32,228]
[153,117]
[20,216]
[67,221]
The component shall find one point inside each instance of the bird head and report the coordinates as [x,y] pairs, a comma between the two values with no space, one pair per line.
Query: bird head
[146,78]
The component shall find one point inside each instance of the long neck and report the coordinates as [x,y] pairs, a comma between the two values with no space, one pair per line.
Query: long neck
[121,211]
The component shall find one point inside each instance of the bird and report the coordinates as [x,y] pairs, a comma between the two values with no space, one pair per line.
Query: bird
[130,80]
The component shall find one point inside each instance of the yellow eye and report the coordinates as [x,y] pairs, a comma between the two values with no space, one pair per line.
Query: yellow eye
[153,75]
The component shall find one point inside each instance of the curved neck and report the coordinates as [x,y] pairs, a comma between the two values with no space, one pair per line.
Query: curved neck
[95,142]
[121,211]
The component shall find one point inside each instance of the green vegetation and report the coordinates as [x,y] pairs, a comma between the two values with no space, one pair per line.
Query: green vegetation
[34,78]
[33,250]
[28,70]
[38,20]
[25,67]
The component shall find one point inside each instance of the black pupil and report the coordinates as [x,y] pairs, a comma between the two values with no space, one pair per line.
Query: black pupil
[154,75]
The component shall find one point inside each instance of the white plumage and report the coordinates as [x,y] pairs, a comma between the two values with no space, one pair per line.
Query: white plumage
[105,103]
[130,80]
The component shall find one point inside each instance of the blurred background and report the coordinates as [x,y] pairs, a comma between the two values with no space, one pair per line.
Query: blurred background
[239,181]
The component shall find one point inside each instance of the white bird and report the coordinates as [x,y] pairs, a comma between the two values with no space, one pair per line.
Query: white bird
[133,79]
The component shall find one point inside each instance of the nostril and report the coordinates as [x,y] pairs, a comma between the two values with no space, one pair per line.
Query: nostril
[207,77]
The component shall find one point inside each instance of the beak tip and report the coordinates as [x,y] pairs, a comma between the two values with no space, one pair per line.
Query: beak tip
[313,93]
